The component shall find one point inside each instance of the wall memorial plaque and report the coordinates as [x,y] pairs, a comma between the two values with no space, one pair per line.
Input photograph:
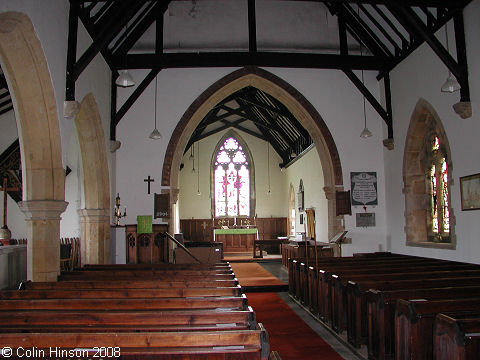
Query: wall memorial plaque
[365,219]
[364,188]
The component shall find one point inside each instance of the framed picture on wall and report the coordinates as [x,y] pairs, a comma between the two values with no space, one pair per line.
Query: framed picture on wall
[470,192]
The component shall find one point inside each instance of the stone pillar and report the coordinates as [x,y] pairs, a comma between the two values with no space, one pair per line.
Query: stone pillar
[95,236]
[43,234]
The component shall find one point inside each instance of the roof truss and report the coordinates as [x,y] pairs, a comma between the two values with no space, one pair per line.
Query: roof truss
[388,30]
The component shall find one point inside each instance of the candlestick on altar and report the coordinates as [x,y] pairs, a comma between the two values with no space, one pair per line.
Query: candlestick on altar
[117,212]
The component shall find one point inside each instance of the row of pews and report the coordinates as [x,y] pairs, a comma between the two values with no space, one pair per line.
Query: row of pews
[398,306]
[159,311]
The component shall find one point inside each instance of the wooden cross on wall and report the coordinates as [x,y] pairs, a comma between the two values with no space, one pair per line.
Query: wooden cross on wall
[148,180]
[5,190]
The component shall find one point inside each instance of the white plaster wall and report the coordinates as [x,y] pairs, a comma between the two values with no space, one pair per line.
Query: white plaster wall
[140,156]
[331,93]
[199,207]
[426,74]
[309,169]
[8,133]
[340,105]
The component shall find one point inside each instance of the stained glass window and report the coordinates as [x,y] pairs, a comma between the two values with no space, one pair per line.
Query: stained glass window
[439,193]
[231,180]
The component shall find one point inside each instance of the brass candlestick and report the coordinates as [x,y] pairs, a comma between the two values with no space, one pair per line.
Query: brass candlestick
[117,212]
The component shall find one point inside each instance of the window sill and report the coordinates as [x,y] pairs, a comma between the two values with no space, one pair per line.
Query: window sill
[432,245]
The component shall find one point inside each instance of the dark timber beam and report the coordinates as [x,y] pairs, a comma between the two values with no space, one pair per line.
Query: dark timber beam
[135,95]
[429,3]
[113,107]
[371,99]
[237,59]
[71,51]
[462,57]
[108,32]
[410,20]
[6,110]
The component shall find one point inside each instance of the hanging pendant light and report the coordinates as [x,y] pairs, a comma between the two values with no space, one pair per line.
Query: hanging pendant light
[269,192]
[193,158]
[451,84]
[125,79]
[365,132]
[155,134]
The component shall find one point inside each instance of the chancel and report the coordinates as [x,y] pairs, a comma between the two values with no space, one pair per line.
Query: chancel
[258,182]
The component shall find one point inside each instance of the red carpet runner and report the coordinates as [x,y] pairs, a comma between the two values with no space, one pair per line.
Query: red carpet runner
[288,334]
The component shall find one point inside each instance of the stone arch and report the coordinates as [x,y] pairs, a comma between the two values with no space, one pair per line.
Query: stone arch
[43,176]
[297,104]
[423,122]
[95,217]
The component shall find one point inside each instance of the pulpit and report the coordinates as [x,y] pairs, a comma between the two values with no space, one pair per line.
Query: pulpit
[236,239]
[147,248]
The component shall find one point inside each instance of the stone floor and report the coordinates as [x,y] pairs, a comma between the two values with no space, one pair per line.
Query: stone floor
[338,343]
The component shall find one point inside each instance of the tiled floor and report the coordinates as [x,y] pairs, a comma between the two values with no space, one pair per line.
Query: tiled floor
[338,344]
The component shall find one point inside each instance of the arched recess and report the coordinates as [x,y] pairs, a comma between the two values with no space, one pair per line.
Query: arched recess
[95,216]
[43,176]
[423,122]
[298,105]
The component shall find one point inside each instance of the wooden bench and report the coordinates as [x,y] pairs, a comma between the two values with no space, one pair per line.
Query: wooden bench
[414,321]
[129,284]
[456,338]
[109,304]
[237,344]
[381,314]
[259,244]
[76,320]
[120,293]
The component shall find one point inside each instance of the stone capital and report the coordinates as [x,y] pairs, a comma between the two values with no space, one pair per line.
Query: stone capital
[114,145]
[174,195]
[329,192]
[43,209]
[70,109]
[463,109]
[93,215]
[389,144]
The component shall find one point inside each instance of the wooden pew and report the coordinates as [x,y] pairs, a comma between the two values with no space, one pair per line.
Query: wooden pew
[120,293]
[414,321]
[456,338]
[238,344]
[130,284]
[381,313]
[94,267]
[237,303]
[124,320]
[127,275]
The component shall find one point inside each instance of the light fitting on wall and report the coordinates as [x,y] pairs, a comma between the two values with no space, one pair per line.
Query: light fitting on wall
[155,134]
[451,84]
[125,79]
[198,170]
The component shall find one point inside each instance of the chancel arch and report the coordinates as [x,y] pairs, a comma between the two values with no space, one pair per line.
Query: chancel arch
[297,104]
[43,177]
[95,216]
[427,178]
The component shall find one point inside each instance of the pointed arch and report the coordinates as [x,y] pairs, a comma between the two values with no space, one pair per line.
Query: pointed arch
[43,177]
[251,169]
[296,103]
[424,123]
[95,224]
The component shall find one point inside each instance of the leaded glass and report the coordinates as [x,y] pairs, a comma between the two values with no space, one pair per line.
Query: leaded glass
[433,190]
[231,180]
[446,213]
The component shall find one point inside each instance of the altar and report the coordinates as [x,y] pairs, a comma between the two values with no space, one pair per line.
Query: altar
[236,239]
